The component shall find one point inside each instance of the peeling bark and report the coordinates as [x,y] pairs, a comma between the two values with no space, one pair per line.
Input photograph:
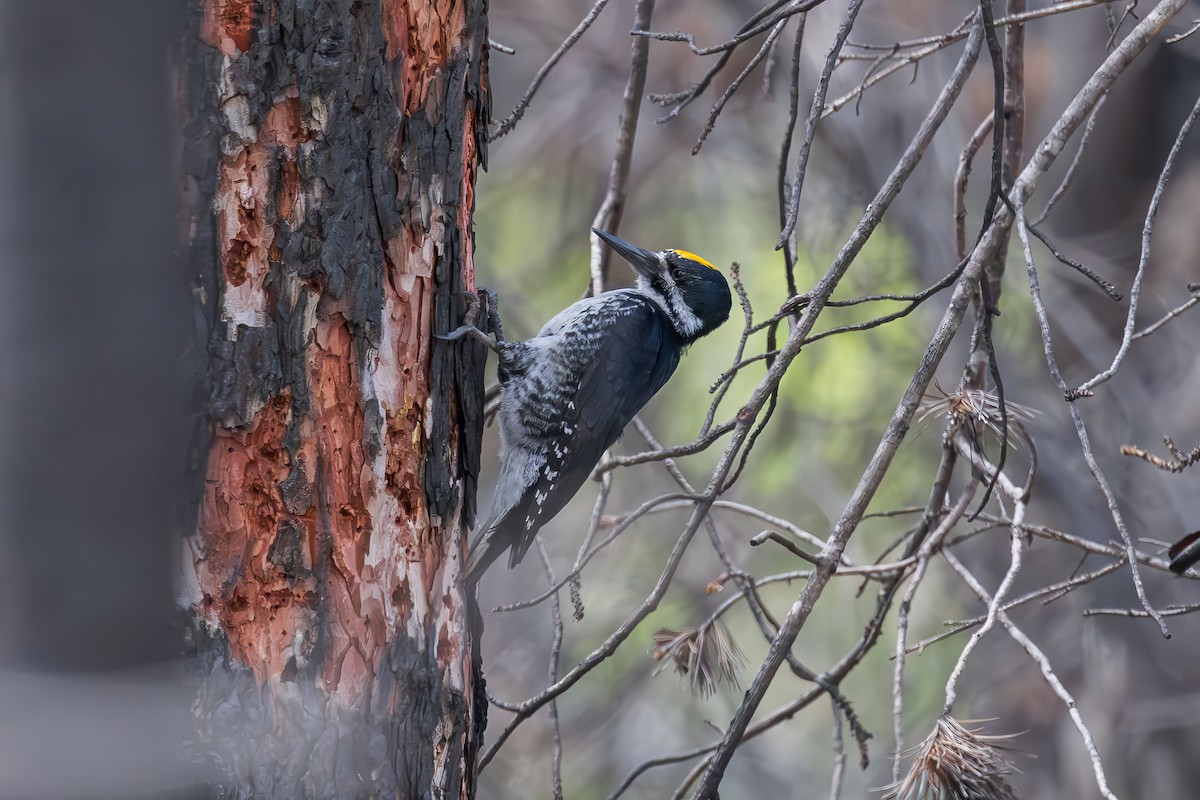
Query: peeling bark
[331,151]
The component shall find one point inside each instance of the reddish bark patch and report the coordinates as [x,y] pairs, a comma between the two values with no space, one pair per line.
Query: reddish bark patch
[336,442]
[284,123]
[466,207]
[228,25]
[287,192]
[405,410]
[422,35]
[258,602]
[284,129]
[243,195]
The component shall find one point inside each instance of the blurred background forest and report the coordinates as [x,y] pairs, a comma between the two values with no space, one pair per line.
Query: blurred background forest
[98,345]
[1135,689]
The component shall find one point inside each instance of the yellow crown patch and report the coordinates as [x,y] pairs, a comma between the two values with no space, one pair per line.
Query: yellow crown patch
[693,257]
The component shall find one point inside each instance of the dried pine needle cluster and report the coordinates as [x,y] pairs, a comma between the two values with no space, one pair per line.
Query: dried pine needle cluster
[976,406]
[957,763]
[707,655]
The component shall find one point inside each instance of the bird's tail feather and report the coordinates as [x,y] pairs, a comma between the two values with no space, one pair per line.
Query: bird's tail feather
[481,553]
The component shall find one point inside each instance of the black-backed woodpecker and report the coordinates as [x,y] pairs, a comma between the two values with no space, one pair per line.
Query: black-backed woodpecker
[572,389]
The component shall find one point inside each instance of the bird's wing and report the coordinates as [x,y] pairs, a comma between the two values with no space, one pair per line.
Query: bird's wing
[622,352]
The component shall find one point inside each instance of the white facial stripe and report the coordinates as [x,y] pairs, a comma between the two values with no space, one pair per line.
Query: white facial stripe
[686,320]
[682,317]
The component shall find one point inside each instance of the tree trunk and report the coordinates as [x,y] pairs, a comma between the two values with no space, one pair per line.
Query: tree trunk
[331,150]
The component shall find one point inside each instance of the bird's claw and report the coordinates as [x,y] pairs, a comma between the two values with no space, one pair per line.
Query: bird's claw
[492,303]
[474,300]
[468,330]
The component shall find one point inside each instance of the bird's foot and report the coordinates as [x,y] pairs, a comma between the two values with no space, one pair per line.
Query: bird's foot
[471,331]
[492,305]
[485,298]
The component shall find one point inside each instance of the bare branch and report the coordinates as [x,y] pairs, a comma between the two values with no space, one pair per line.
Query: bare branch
[1179,463]
[509,122]
[762,21]
[1059,589]
[923,556]
[1043,157]
[1066,181]
[1080,427]
[789,130]
[501,48]
[1172,314]
[1047,671]
[556,788]
[1017,550]
[933,44]
[900,419]
[839,756]
[814,116]
[1147,230]
[608,216]
[767,45]
[1169,611]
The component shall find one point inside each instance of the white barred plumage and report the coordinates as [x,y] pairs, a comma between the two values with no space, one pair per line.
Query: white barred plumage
[571,389]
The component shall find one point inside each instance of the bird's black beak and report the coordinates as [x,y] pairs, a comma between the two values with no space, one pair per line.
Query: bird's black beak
[643,261]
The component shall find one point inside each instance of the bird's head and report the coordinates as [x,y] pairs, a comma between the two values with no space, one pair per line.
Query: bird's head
[693,293]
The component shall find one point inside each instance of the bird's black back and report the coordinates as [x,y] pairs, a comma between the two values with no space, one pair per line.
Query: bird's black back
[612,354]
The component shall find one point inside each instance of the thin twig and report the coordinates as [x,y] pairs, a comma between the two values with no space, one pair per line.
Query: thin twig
[1066,181]
[1043,158]
[721,386]
[1169,611]
[610,644]
[994,610]
[767,45]
[961,176]
[700,444]
[509,122]
[612,208]
[585,546]
[756,25]
[814,116]
[923,556]
[1147,230]
[789,130]
[1080,427]
[870,480]
[933,44]
[1178,463]
[1172,314]
[1105,286]
[1047,670]
[556,786]
[758,22]
[1058,589]
[617,530]
[1179,37]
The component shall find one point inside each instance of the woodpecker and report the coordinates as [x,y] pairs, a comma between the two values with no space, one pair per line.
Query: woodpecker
[570,391]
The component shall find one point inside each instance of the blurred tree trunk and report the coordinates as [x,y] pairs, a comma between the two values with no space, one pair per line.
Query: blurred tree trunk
[330,150]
